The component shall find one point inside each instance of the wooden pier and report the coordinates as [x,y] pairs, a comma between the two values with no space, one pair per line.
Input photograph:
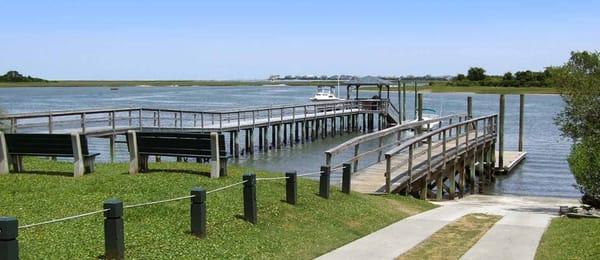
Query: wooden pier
[440,158]
[250,130]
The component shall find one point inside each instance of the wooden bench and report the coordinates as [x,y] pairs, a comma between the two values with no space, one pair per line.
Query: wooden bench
[201,146]
[15,146]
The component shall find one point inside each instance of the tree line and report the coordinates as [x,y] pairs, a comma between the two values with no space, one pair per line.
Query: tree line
[15,76]
[476,76]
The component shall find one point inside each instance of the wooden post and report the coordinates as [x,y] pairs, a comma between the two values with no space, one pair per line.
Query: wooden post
[501,135]
[78,164]
[409,169]
[198,212]
[416,92]
[250,211]
[425,188]
[356,148]
[419,111]
[215,163]
[291,187]
[9,245]
[260,139]
[4,169]
[399,103]
[452,180]
[521,120]
[111,144]
[134,164]
[114,232]
[346,178]
[251,143]
[470,107]
[324,181]
[236,144]
[403,101]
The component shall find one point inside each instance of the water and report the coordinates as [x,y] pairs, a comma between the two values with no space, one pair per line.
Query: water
[544,173]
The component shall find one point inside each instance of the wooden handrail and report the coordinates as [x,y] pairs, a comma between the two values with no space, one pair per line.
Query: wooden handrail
[420,138]
[372,136]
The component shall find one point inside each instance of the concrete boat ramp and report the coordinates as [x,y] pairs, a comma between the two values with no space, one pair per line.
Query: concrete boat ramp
[515,236]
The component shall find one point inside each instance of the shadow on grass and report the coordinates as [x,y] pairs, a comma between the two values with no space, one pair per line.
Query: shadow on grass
[50,173]
[186,171]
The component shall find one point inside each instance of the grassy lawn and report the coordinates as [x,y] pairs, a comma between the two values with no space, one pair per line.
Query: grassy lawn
[313,227]
[455,239]
[571,239]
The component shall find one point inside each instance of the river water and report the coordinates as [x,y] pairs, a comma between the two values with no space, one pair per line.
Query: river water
[545,172]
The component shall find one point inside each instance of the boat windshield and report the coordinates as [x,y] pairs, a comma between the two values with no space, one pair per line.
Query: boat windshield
[324,89]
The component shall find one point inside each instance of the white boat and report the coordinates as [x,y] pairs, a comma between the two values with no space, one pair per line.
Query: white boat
[428,116]
[325,93]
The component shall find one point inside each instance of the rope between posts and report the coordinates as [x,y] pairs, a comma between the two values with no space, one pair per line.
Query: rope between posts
[64,219]
[226,187]
[157,202]
[309,173]
[272,178]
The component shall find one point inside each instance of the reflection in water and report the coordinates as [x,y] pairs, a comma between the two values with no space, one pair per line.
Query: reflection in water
[544,173]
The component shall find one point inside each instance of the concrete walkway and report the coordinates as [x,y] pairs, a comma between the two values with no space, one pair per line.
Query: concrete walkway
[515,236]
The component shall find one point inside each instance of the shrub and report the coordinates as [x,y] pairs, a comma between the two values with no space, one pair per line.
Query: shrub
[585,165]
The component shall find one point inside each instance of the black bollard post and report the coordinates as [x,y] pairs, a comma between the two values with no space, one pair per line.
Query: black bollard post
[198,212]
[291,188]
[324,181]
[9,246]
[114,235]
[250,197]
[346,175]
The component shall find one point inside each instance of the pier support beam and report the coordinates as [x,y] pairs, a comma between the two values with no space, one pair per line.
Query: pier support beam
[236,143]
[251,143]
[260,138]
[521,120]
[501,134]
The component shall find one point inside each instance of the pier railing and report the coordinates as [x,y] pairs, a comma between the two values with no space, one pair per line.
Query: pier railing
[111,121]
[465,134]
[394,135]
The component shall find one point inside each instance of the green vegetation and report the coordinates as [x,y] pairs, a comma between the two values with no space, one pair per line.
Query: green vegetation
[491,90]
[452,241]
[313,227]
[570,239]
[476,77]
[438,88]
[579,83]
[15,76]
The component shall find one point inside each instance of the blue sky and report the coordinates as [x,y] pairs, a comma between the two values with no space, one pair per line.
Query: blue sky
[252,39]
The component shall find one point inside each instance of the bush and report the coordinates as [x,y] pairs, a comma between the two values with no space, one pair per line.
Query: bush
[585,165]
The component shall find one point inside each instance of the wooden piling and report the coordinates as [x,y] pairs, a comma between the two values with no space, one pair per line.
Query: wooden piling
[416,92]
[521,120]
[470,107]
[403,101]
[501,134]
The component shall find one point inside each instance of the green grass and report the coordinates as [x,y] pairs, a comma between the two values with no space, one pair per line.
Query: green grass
[452,241]
[313,227]
[571,239]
